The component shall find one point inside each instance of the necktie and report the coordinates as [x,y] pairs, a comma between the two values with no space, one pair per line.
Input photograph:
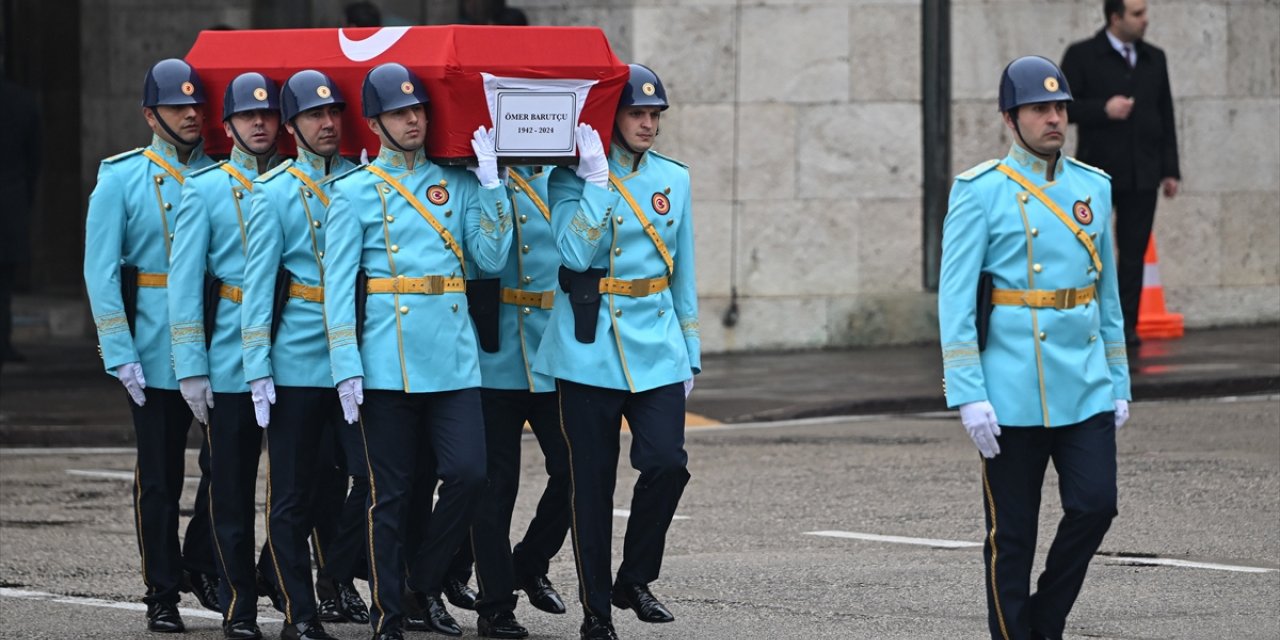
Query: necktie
[1129,57]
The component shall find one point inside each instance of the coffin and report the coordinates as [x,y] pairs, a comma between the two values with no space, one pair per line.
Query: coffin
[536,83]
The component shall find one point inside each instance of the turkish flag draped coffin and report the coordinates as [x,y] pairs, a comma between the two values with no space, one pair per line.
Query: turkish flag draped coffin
[467,70]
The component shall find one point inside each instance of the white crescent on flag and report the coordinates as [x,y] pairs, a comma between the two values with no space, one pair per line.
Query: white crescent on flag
[371,47]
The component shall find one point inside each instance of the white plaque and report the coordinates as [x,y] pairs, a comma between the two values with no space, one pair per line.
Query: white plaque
[535,123]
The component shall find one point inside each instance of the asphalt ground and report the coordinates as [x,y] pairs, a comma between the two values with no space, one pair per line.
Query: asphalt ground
[1199,487]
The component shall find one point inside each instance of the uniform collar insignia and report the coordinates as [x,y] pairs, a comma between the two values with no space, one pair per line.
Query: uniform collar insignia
[243,159]
[312,162]
[623,160]
[393,158]
[1031,164]
[170,152]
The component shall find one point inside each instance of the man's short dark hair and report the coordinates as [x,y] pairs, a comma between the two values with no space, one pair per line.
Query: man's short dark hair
[362,14]
[1110,8]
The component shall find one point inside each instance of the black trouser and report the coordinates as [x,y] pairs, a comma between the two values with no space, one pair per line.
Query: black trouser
[591,419]
[1084,455]
[1135,213]
[235,445]
[295,436]
[505,412]
[419,520]
[338,537]
[160,428]
[399,431]
[8,273]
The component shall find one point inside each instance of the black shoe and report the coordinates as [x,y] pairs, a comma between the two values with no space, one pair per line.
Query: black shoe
[500,625]
[327,611]
[596,628]
[241,630]
[389,635]
[164,618]
[350,605]
[305,631]
[429,614]
[265,588]
[638,597]
[541,594]
[460,594]
[204,587]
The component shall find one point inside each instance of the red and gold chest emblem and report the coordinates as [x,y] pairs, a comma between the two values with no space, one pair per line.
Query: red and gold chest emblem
[661,203]
[1082,211]
[437,195]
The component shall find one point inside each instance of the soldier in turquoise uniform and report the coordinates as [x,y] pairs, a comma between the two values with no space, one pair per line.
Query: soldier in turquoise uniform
[623,341]
[126,265]
[1040,372]
[205,292]
[285,229]
[407,370]
[520,299]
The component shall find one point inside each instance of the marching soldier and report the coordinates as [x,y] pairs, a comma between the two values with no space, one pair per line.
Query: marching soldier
[626,344]
[286,228]
[206,289]
[1039,372]
[407,370]
[126,264]
[511,310]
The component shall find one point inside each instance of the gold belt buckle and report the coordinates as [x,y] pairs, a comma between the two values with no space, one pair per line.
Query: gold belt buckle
[547,299]
[640,288]
[433,285]
[1064,298]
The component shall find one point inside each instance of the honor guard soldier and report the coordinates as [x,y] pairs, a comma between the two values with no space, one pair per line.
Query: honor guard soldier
[1035,360]
[624,342]
[285,230]
[402,349]
[205,292]
[511,310]
[126,265]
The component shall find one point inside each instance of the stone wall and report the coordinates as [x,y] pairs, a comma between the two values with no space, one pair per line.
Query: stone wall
[801,122]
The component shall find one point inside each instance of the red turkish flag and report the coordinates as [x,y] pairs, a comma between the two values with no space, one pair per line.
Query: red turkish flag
[449,59]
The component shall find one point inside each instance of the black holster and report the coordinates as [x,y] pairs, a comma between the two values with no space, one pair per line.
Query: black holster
[212,287]
[129,294]
[279,298]
[982,321]
[484,297]
[584,298]
[362,294]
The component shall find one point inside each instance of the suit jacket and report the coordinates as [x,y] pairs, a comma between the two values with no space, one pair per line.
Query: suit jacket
[1137,152]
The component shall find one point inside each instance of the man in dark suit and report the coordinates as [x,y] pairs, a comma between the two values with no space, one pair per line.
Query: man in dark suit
[1124,110]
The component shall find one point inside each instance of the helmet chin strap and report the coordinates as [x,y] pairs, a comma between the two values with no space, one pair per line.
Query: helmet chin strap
[245,147]
[390,138]
[173,134]
[328,160]
[1027,145]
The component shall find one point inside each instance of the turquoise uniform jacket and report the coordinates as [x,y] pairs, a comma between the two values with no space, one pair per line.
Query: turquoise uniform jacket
[286,227]
[641,343]
[532,266]
[210,237]
[130,221]
[412,342]
[1041,366]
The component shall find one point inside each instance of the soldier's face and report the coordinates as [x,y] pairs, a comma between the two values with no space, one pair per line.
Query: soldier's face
[407,126]
[258,129]
[1043,126]
[638,126]
[186,120]
[1133,24]
[321,127]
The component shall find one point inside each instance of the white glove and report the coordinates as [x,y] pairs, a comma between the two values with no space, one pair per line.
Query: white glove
[487,170]
[688,387]
[199,396]
[351,395]
[1122,413]
[263,392]
[979,419]
[130,375]
[592,165]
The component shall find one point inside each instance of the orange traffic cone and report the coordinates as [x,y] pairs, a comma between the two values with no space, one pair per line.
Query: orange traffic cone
[1154,321]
